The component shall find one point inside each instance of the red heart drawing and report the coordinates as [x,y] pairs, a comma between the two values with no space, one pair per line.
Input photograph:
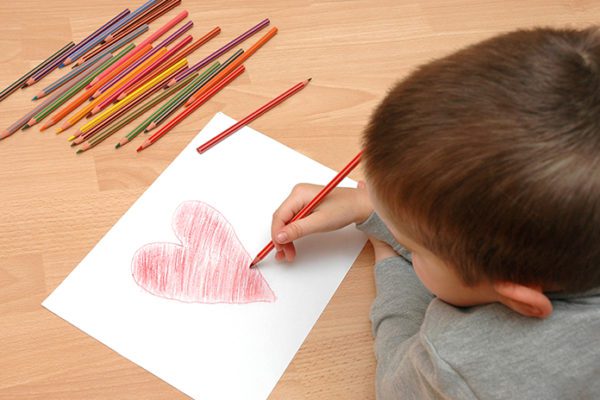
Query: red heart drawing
[210,266]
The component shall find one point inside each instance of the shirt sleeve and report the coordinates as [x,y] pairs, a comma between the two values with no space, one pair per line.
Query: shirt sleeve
[399,307]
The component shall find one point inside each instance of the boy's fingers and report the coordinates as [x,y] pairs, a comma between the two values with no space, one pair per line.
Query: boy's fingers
[313,223]
[300,196]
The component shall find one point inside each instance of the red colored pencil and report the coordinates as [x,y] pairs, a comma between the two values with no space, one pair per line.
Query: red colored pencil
[155,66]
[178,56]
[150,39]
[238,61]
[187,111]
[307,209]
[253,115]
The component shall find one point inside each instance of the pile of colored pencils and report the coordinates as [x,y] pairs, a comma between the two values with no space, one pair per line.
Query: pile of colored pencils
[114,82]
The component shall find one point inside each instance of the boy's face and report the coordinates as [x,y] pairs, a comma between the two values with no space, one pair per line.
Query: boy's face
[439,278]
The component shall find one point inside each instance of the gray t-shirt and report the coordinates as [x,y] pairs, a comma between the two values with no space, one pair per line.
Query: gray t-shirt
[428,349]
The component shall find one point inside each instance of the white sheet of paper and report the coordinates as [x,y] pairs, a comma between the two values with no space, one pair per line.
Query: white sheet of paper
[212,351]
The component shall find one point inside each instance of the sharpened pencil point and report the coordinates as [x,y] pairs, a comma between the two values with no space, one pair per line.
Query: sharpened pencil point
[140,149]
[25,127]
[43,128]
[117,145]
[34,98]
[4,135]
[95,111]
[79,151]
[309,79]
[71,138]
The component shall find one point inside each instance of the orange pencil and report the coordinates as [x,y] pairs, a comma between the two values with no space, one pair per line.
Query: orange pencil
[88,108]
[155,35]
[187,111]
[153,70]
[239,61]
[160,79]
[70,107]
[183,54]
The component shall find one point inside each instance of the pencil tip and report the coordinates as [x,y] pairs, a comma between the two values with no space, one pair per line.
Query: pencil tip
[59,130]
[34,98]
[117,145]
[309,79]
[4,135]
[79,151]
[43,128]
[25,127]
[140,148]
[71,138]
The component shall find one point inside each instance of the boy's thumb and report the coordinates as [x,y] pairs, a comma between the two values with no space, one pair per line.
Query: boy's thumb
[291,232]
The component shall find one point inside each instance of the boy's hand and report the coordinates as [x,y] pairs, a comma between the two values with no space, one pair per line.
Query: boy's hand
[382,249]
[341,207]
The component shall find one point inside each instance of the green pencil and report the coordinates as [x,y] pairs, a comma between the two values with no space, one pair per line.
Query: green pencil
[119,124]
[79,84]
[184,94]
[184,97]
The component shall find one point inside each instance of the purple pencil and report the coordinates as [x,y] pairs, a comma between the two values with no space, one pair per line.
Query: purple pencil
[99,31]
[200,64]
[52,66]
[174,36]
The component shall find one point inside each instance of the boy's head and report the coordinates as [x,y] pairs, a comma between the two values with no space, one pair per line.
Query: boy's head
[490,160]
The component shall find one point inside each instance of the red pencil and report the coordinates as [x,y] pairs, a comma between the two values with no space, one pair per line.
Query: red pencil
[307,209]
[194,106]
[252,116]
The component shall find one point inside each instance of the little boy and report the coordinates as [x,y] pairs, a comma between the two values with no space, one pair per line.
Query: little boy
[483,169]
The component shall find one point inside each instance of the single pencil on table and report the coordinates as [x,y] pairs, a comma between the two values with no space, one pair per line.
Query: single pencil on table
[307,209]
[253,115]
[187,111]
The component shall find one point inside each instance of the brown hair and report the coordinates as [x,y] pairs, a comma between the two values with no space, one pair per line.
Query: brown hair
[490,158]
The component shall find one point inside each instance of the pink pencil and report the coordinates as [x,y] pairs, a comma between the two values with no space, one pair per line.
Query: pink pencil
[156,64]
[150,39]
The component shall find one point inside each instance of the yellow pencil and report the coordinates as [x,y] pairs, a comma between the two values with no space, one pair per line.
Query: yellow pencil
[88,108]
[133,95]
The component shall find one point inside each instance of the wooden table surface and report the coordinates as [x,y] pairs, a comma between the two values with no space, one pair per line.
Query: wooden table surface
[56,205]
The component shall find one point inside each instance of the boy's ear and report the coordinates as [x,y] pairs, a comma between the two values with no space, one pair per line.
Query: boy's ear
[526,300]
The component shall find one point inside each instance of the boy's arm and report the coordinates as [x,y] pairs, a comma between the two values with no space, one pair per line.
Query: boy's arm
[399,308]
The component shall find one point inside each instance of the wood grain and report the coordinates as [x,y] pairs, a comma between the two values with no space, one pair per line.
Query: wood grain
[56,205]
